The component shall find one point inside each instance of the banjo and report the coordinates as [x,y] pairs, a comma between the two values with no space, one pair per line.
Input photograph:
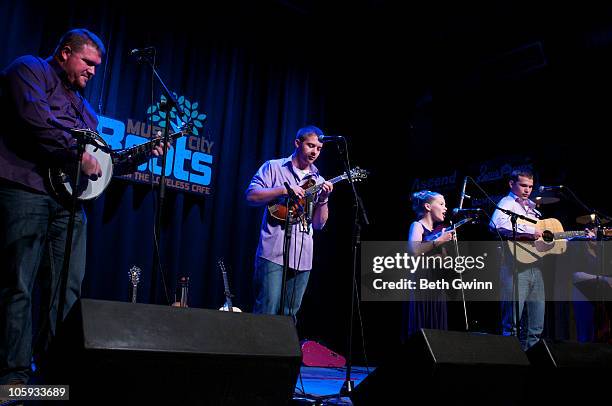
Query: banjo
[60,180]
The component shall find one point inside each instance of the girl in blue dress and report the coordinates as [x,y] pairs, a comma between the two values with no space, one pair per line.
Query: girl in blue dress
[427,308]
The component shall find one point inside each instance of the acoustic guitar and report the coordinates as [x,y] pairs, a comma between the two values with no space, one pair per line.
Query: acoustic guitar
[553,241]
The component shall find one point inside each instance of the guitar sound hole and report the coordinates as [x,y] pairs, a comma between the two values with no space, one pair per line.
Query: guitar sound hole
[548,236]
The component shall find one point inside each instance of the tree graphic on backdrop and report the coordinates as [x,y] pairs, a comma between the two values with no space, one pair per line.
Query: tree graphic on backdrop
[176,120]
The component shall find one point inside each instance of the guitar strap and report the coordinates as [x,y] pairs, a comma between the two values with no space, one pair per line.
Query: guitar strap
[295,176]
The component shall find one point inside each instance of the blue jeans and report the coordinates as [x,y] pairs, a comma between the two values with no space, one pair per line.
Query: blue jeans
[531,305]
[267,283]
[33,229]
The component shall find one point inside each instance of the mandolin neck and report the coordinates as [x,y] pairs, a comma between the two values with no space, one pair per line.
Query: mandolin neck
[315,189]
[134,292]
[228,295]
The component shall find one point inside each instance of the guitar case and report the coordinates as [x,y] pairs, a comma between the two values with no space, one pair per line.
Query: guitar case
[317,355]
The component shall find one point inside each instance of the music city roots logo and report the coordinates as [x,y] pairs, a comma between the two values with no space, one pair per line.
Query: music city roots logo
[189,163]
[189,109]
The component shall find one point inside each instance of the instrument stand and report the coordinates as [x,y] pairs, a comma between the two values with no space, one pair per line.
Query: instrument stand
[170,103]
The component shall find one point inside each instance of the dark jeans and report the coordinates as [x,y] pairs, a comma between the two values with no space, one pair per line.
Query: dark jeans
[267,283]
[33,229]
[531,305]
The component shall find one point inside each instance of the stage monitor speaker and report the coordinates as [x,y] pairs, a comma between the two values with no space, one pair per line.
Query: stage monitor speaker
[571,355]
[448,366]
[167,355]
[571,369]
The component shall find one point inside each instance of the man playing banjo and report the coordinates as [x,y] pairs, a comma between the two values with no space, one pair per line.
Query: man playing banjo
[38,96]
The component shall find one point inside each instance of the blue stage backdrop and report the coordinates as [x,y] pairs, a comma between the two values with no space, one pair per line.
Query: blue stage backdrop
[247,100]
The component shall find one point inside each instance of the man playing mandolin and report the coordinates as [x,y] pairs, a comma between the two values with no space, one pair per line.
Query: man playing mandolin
[268,186]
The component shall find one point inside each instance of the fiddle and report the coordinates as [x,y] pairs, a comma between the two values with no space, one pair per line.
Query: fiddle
[443,228]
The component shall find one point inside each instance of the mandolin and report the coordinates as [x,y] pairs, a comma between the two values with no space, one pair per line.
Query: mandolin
[134,277]
[278,210]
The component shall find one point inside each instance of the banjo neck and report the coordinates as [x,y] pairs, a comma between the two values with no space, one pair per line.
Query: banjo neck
[141,152]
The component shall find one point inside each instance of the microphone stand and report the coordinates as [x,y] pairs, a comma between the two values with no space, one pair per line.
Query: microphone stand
[359,215]
[291,199]
[456,243]
[513,219]
[83,137]
[465,316]
[601,274]
[170,103]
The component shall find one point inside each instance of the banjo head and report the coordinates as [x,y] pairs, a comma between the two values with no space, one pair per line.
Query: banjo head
[90,189]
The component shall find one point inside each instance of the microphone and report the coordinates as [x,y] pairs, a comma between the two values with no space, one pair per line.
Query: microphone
[142,51]
[547,188]
[330,138]
[475,210]
[309,209]
[463,195]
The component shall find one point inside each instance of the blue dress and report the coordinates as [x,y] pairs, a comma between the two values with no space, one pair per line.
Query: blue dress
[430,310]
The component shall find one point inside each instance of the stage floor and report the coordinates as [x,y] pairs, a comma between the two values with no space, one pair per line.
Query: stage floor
[317,382]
